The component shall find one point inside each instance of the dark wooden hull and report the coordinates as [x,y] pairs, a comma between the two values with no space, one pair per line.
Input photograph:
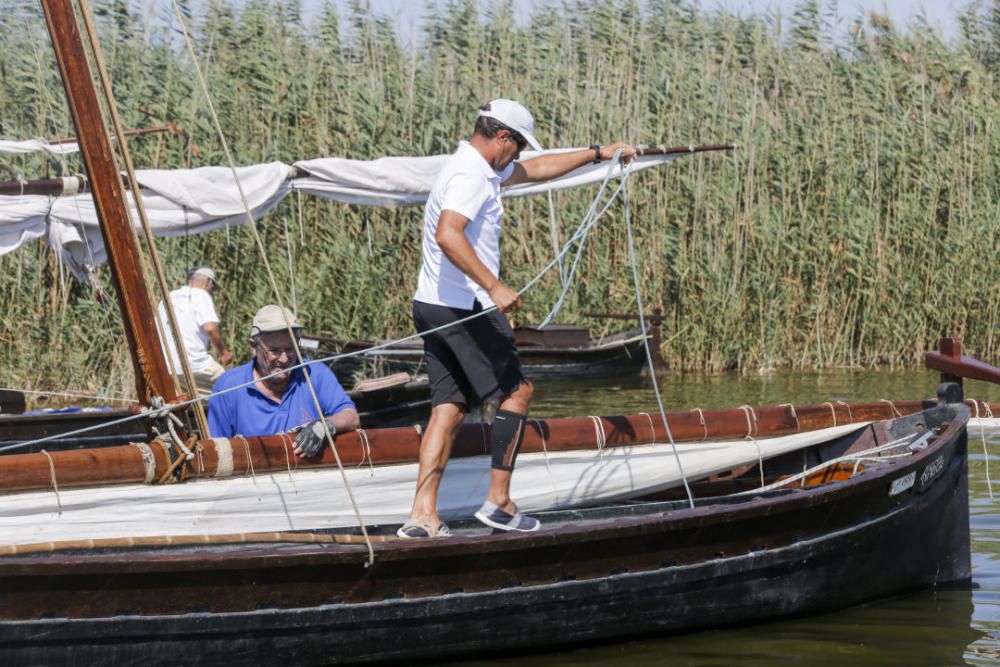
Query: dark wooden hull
[397,405]
[592,575]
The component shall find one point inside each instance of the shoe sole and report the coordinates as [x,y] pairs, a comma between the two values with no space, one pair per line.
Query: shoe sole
[504,527]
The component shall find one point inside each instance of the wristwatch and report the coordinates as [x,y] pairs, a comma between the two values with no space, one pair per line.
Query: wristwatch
[597,152]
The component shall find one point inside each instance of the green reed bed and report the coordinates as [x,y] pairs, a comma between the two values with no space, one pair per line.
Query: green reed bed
[858,222]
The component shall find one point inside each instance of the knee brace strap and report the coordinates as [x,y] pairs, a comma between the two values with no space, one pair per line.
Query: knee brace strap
[506,437]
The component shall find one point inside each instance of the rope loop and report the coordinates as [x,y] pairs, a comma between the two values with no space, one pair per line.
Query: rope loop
[701,420]
[791,408]
[891,405]
[600,437]
[366,451]
[652,431]
[850,415]
[833,412]
[748,411]
[55,484]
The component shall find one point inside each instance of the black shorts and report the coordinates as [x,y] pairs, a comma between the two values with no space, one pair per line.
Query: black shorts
[468,363]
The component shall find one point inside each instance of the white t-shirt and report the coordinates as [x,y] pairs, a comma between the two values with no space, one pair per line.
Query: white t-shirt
[468,185]
[194,308]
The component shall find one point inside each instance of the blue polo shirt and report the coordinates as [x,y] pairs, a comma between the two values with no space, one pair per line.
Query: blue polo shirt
[247,411]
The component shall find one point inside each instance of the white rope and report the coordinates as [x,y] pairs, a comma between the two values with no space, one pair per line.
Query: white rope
[891,405]
[55,484]
[982,436]
[747,411]
[545,450]
[148,461]
[701,420]
[850,415]
[901,442]
[366,451]
[642,325]
[286,444]
[652,431]
[250,470]
[791,408]
[833,412]
[600,437]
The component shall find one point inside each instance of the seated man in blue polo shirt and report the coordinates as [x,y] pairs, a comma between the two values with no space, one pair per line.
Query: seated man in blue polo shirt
[280,401]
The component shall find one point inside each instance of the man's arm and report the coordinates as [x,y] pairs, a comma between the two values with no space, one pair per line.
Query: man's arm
[451,237]
[346,420]
[215,336]
[554,165]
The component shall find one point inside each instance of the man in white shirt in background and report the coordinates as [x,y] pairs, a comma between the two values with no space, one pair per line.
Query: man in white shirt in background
[199,326]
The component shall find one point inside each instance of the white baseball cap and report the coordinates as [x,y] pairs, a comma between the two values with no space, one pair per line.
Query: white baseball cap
[273,318]
[203,272]
[513,115]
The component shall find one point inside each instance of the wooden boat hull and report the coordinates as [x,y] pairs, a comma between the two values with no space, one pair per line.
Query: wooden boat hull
[596,574]
[617,354]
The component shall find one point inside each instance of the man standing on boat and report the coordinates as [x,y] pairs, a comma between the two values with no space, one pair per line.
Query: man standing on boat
[199,325]
[279,399]
[476,361]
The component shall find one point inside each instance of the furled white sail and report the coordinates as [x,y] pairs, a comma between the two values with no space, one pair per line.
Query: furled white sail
[177,202]
[317,499]
[36,145]
[22,219]
[194,201]
[404,181]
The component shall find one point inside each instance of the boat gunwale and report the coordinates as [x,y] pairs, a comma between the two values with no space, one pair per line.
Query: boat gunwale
[195,557]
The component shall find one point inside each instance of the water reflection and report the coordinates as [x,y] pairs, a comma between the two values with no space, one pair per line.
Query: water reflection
[932,628]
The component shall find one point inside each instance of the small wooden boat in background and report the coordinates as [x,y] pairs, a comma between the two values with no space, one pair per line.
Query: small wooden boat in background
[557,350]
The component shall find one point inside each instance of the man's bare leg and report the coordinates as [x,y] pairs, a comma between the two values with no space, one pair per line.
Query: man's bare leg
[499,493]
[435,448]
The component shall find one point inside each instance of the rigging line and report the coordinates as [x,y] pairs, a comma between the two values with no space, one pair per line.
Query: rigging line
[586,226]
[68,394]
[270,276]
[154,256]
[302,364]
[645,339]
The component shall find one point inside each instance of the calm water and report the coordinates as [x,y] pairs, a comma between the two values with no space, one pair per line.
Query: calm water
[953,627]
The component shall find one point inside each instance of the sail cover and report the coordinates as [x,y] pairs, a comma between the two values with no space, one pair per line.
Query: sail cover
[36,145]
[314,499]
[193,201]
[21,220]
[177,202]
[407,181]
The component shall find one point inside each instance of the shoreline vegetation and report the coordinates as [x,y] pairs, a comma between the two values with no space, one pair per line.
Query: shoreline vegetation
[859,221]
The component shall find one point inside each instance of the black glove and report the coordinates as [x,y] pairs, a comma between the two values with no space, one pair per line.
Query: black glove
[312,435]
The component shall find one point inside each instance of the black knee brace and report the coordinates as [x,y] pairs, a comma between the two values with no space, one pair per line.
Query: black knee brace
[506,437]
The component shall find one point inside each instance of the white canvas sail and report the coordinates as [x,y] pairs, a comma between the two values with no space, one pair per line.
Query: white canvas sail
[194,201]
[317,499]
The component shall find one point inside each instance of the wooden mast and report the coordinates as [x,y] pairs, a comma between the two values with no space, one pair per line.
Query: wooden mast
[152,378]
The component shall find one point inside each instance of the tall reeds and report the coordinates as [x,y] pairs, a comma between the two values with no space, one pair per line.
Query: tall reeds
[858,222]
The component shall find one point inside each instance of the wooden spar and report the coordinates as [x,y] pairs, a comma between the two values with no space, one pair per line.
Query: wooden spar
[125,464]
[680,150]
[168,127]
[70,185]
[66,186]
[152,378]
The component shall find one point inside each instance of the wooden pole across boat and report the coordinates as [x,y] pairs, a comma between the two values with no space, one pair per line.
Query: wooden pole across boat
[152,377]
[139,463]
